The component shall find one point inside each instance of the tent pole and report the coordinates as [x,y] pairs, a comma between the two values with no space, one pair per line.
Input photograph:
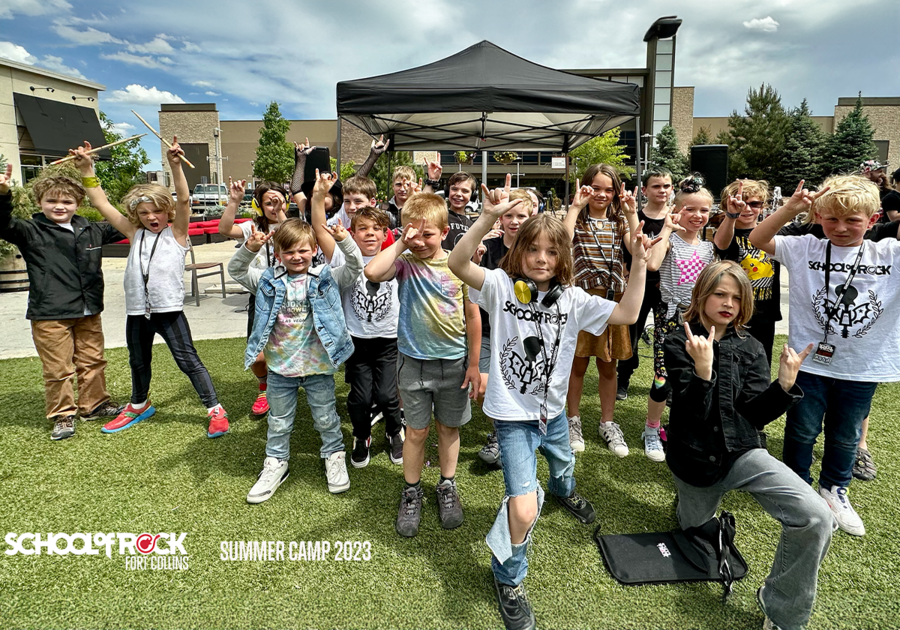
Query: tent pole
[484,169]
[637,163]
[338,147]
[567,182]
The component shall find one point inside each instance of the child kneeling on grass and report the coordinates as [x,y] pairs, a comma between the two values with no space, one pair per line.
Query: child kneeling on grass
[63,254]
[154,286]
[536,315]
[721,399]
[299,326]
[842,300]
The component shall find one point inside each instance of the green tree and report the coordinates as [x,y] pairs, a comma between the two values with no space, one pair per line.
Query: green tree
[604,149]
[384,168]
[852,143]
[756,139]
[274,155]
[804,153]
[702,137]
[348,169]
[125,169]
[666,154]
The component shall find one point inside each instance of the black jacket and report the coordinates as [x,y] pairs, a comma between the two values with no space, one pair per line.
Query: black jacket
[63,266]
[713,422]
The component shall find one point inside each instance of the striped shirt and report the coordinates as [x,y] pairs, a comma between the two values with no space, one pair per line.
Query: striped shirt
[597,253]
[679,271]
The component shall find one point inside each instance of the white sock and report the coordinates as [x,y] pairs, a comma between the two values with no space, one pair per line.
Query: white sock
[139,406]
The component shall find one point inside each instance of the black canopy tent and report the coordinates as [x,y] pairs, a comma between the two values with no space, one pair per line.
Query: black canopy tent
[486,98]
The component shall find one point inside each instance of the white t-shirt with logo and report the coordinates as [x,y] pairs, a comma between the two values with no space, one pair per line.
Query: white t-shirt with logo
[371,309]
[863,329]
[519,359]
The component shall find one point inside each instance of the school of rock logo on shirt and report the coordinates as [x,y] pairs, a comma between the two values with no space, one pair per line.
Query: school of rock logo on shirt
[849,311]
[368,305]
[525,374]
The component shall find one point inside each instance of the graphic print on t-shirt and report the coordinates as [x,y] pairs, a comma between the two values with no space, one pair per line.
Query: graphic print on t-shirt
[852,314]
[368,305]
[758,266]
[690,268]
[525,374]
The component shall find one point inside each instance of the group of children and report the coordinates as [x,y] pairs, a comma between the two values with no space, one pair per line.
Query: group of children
[427,323]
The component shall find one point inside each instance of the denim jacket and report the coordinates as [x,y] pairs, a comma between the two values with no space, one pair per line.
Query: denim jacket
[323,286]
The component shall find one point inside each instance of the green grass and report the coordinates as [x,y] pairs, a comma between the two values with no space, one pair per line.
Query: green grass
[164,475]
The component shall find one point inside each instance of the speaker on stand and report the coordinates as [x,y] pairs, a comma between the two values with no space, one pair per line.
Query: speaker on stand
[711,161]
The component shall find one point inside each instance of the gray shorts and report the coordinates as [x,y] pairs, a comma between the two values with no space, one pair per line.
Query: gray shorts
[484,359]
[433,384]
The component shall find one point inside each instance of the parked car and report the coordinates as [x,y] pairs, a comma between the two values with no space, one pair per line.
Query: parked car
[209,195]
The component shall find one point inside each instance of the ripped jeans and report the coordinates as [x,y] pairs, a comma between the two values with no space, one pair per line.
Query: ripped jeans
[518,443]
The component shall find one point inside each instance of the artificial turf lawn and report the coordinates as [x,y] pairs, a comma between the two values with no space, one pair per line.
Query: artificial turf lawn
[165,475]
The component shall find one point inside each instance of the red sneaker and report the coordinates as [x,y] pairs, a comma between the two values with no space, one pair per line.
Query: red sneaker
[261,406]
[128,417]
[218,422]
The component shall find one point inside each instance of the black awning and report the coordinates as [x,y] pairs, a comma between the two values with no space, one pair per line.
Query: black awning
[56,127]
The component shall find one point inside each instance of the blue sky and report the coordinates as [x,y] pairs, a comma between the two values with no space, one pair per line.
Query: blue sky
[242,55]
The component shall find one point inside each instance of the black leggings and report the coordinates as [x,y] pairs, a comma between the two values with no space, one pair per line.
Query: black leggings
[371,373]
[174,329]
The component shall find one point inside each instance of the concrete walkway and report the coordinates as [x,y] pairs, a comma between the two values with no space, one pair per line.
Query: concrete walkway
[216,318]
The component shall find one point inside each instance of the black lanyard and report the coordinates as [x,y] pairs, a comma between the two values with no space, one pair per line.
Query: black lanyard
[609,265]
[145,275]
[838,293]
[548,365]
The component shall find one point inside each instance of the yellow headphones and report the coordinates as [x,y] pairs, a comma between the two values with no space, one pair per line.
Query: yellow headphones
[526,292]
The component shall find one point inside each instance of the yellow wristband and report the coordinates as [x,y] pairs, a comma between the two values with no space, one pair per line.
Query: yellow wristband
[90,182]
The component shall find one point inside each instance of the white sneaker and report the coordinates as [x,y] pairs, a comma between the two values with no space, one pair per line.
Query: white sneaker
[273,474]
[846,517]
[576,439]
[653,446]
[336,473]
[615,439]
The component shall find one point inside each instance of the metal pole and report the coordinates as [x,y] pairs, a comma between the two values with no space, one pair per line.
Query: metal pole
[484,169]
[567,182]
[637,162]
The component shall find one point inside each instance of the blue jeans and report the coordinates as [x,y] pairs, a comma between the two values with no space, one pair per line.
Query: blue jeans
[281,392]
[518,443]
[806,527]
[843,405]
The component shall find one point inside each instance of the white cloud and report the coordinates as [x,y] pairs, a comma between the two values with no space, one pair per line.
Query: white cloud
[140,95]
[202,84]
[88,37]
[211,93]
[56,64]
[254,104]
[191,48]
[124,128]
[137,60]
[157,45]
[8,8]
[11,51]
[766,25]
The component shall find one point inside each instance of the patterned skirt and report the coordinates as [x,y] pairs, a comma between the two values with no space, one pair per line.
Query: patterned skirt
[613,345]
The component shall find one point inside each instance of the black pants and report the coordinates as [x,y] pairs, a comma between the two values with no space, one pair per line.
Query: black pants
[763,330]
[372,375]
[627,367]
[174,329]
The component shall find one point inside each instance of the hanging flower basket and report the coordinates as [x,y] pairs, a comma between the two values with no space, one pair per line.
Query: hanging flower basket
[506,157]
[465,157]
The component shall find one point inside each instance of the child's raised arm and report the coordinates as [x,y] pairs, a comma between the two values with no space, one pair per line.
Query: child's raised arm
[183,203]
[496,204]
[629,208]
[382,268]
[763,235]
[235,196]
[324,182]
[582,196]
[85,163]
[725,232]
[374,153]
[301,151]
[629,307]
[658,254]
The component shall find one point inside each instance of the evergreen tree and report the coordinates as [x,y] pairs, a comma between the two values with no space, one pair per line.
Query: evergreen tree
[604,149]
[702,137]
[274,155]
[852,143]
[804,153]
[756,139]
[666,154]
[125,169]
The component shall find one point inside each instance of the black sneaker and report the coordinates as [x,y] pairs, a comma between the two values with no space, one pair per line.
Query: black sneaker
[410,512]
[109,409]
[360,456]
[579,506]
[490,452]
[449,507]
[622,391]
[395,446]
[515,609]
[63,428]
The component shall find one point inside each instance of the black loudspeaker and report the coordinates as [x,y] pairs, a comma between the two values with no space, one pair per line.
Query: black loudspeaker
[711,161]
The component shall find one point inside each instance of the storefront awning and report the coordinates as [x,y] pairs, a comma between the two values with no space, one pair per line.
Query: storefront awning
[56,127]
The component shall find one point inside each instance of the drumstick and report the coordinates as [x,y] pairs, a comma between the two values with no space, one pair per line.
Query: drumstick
[96,149]
[156,133]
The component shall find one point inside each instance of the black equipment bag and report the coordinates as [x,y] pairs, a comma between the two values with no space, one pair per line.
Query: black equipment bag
[705,553]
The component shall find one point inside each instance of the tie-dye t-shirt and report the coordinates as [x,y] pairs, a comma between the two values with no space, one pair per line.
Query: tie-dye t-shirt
[432,317]
[294,348]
